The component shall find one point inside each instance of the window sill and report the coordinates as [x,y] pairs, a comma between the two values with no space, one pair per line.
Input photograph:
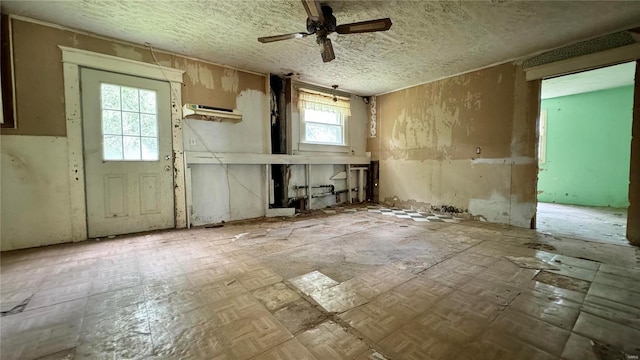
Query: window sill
[302,146]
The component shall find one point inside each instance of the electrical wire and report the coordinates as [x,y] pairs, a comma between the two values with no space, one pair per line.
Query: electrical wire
[196,133]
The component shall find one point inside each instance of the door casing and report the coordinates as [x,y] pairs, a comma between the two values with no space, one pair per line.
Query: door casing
[73,59]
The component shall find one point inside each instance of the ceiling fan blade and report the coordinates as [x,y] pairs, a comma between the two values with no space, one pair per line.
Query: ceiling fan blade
[268,39]
[314,11]
[364,26]
[326,49]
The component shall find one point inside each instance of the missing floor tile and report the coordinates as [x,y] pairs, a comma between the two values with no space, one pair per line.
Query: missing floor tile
[562,281]
[275,296]
[299,316]
[538,246]
[18,308]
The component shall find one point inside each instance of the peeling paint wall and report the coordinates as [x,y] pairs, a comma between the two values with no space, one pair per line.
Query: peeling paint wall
[428,138]
[41,133]
[38,74]
[221,192]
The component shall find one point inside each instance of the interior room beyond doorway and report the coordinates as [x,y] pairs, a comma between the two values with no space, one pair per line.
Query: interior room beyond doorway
[584,153]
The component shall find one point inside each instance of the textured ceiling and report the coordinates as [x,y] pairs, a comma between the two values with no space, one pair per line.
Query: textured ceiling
[599,79]
[428,40]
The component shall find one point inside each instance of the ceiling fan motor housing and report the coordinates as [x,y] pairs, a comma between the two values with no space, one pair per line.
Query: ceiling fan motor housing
[326,27]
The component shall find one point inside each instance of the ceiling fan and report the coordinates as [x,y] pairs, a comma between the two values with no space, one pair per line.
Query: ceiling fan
[320,21]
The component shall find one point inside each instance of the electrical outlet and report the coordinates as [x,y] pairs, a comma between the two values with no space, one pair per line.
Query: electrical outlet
[192,141]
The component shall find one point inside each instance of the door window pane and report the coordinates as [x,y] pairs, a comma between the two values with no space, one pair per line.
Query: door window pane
[112,147]
[130,99]
[129,123]
[110,96]
[148,125]
[148,101]
[131,145]
[111,122]
[149,148]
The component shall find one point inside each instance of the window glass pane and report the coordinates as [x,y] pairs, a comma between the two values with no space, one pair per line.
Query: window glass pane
[112,147]
[131,147]
[111,122]
[323,133]
[130,101]
[130,123]
[319,116]
[148,101]
[149,148]
[148,125]
[110,95]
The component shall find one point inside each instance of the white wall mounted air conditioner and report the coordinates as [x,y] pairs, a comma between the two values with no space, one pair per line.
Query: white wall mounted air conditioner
[210,113]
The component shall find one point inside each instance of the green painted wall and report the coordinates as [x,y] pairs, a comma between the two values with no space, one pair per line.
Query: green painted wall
[588,148]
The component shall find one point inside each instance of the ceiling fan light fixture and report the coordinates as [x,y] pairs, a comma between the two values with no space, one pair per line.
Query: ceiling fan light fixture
[321,22]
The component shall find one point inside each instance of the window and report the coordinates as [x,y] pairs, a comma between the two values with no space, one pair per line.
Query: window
[323,127]
[323,118]
[129,123]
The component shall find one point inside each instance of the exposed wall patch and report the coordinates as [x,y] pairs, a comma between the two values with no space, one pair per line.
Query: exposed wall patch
[230,80]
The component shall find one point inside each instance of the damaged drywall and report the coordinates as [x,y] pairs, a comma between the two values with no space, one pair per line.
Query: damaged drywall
[39,80]
[466,142]
[35,189]
[37,62]
[222,192]
[246,136]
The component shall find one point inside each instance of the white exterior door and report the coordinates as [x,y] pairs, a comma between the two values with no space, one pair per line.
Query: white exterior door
[127,153]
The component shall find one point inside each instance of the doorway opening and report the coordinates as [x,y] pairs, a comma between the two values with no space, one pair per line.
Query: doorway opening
[584,154]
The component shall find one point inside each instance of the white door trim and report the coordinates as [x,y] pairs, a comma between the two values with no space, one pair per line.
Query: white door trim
[119,65]
[72,60]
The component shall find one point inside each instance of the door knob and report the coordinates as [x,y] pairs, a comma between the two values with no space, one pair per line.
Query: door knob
[167,157]
[167,168]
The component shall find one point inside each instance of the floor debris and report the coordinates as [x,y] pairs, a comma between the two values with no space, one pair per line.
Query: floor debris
[530,263]
[608,352]
[538,246]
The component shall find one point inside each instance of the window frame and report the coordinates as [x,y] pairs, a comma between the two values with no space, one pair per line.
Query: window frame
[122,134]
[342,125]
